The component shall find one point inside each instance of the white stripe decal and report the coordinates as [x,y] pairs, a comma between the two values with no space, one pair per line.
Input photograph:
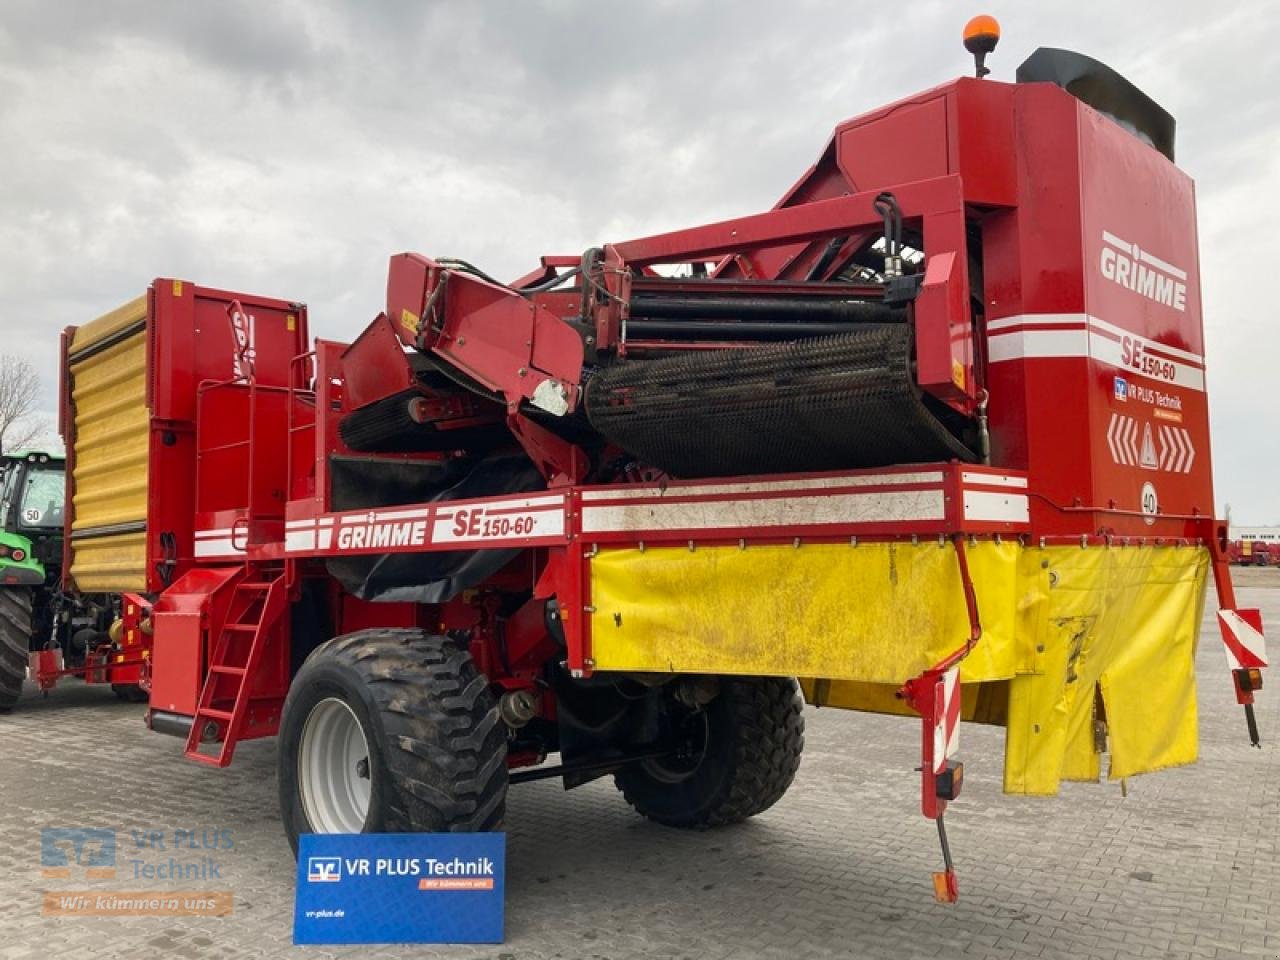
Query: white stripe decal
[1004,325]
[992,479]
[996,507]
[765,486]
[381,515]
[1110,352]
[1024,344]
[1042,319]
[1177,352]
[217,548]
[300,540]
[1094,339]
[897,507]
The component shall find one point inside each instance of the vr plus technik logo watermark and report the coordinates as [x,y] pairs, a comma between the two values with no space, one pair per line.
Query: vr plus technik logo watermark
[94,851]
[172,857]
[324,869]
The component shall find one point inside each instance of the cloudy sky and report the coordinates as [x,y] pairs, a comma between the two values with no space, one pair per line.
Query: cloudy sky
[288,148]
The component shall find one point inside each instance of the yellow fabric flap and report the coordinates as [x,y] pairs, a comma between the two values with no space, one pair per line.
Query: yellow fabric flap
[876,612]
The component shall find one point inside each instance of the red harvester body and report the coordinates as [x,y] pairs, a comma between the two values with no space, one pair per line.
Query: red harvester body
[931,436]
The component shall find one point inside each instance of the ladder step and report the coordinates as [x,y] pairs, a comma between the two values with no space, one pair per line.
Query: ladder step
[212,759]
[263,614]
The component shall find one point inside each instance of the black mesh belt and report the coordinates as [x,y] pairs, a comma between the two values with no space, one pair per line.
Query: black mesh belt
[824,404]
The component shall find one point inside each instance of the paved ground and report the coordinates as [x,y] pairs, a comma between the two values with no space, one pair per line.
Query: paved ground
[1185,866]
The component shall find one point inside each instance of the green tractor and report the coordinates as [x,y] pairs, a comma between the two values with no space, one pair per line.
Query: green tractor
[31,505]
[35,613]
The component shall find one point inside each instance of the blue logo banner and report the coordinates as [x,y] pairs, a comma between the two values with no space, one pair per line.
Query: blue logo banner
[64,846]
[400,888]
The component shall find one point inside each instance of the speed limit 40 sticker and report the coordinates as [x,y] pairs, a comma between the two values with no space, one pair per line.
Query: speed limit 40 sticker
[1150,503]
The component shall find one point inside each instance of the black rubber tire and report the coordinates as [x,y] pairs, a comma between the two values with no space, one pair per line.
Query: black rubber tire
[15,643]
[755,735]
[437,745]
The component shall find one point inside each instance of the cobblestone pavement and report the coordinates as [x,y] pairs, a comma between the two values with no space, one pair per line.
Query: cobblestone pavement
[1185,866]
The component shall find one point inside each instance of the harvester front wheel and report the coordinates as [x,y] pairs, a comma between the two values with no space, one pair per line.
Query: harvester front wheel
[15,642]
[391,730]
[750,738]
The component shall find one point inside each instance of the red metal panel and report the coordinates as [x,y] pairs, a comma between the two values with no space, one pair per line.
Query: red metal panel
[509,344]
[944,344]
[1142,295]
[983,150]
[375,365]
[177,661]
[329,400]
[352,614]
[963,127]
[190,342]
[225,454]
[909,143]
[1094,331]
[407,293]
[66,424]
[1033,274]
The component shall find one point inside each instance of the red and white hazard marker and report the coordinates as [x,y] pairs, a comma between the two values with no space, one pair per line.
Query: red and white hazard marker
[1242,636]
[1246,656]
[935,695]
[946,719]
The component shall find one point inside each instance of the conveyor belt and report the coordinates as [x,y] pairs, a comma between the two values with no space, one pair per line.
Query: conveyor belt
[387,427]
[823,404]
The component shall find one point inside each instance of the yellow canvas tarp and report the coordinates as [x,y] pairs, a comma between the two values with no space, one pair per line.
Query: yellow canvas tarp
[1071,635]
[820,610]
[1120,626]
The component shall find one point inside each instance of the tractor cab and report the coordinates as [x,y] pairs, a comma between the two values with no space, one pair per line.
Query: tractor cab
[32,499]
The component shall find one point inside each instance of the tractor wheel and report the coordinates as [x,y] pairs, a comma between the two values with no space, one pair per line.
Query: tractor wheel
[15,643]
[387,731]
[741,753]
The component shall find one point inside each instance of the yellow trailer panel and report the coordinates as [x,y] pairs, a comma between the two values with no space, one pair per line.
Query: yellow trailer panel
[107,366]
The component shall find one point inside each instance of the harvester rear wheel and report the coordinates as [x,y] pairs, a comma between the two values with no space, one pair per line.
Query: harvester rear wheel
[391,730]
[15,643]
[752,735]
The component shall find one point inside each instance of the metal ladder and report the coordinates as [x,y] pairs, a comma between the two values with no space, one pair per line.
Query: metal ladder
[257,603]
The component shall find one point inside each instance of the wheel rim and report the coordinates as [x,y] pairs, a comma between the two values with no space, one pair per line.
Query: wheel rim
[333,769]
[692,742]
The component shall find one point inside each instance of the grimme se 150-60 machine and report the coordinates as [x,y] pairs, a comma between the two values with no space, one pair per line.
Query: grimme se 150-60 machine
[928,438]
